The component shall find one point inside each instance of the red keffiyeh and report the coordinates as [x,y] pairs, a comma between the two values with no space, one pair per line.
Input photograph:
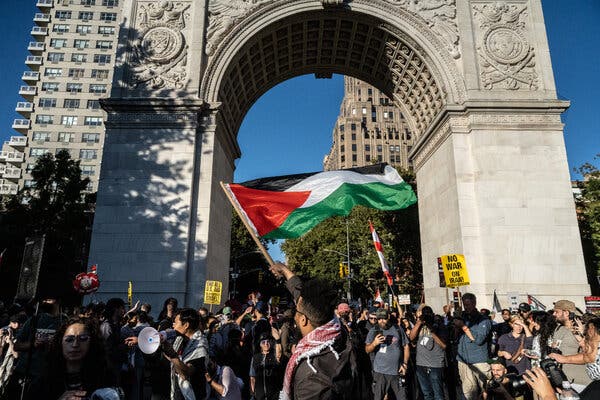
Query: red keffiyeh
[311,345]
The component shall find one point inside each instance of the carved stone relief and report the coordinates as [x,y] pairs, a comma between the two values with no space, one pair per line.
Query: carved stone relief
[506,58]
[440,16]
[160,50]
[222,16]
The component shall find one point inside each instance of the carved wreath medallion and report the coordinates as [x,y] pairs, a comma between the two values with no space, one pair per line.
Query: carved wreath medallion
[161,44]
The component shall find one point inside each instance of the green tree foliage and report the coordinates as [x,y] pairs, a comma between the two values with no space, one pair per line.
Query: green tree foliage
[55,207]
[588,212]
[317,252]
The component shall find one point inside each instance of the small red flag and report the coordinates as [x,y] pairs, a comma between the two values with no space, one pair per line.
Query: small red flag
[379,248]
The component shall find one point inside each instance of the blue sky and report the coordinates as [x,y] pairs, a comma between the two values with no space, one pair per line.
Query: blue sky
[288,130]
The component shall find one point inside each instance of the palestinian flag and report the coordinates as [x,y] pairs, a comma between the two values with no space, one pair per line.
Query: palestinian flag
[288,206]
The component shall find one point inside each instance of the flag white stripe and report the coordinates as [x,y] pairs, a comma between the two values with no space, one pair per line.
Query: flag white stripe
[323,184]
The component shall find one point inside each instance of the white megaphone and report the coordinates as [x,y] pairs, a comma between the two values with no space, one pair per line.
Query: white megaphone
[148,340]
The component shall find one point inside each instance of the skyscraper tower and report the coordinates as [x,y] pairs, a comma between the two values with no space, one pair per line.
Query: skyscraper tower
[368,130]
[70,69]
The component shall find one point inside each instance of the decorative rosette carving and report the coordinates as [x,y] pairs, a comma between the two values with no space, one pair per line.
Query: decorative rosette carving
[440,15]
[506,57]
[160,50]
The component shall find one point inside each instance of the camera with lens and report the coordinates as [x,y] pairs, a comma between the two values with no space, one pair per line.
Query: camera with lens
[554,372]
[514,384]
[5,331]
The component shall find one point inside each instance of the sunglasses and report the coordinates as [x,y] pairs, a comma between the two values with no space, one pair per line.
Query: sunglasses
[80,338]
[373,318]
[265,342]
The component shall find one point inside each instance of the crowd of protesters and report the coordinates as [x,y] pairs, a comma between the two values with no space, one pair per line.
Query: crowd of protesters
[318,347]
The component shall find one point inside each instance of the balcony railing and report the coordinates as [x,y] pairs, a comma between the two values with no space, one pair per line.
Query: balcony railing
[27,90]
[39,31]
[36,46]
[44,3]
[8,189]
[41,17]
[30,76]
[11,156]
[20,124]
[11,173]
[34,60]
[2,169]
[17,141]
[24,107]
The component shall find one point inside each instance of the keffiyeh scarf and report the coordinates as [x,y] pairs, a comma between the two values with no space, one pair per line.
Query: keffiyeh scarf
[312,344]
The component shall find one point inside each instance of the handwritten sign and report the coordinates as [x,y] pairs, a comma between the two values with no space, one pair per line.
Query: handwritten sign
[212,292]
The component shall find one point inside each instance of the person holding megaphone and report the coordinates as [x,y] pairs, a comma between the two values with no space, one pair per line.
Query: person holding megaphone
[188,354]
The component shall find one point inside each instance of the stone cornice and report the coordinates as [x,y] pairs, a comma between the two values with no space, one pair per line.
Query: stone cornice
[130,105]
[501,115]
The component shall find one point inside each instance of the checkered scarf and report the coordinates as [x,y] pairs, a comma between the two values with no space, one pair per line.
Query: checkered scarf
[312,344]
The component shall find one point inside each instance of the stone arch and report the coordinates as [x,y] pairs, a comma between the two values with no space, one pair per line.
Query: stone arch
[386,46]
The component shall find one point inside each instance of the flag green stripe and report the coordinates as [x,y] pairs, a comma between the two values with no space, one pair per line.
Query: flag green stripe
[374,195]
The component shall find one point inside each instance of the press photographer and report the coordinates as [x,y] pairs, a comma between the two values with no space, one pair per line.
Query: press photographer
[504,385]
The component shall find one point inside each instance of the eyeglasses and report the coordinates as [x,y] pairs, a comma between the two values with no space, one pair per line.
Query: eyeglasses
[373,318]
[80,338]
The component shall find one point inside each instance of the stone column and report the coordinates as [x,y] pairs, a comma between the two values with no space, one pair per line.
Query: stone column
[146,198]
[494,185]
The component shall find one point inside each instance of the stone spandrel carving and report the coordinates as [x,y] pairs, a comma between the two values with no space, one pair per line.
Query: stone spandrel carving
[440,16]
[506,58]
[222,16]
[160,50]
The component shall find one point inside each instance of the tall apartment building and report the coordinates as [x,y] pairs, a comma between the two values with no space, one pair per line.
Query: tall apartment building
[70,64]
[368,130]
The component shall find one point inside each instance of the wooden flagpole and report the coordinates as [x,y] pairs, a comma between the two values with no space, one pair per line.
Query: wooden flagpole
[242,216]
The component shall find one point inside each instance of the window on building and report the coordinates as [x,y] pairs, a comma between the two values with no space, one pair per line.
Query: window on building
[60,28]
[29,168]
[353,136]
[104,44]
[71,103]
[342,128]
[391,114]
[37,151]
[50,86]
[62,14]
[342,138]
[108,16]
[88,2]
[88,154]
[353,147]
[392,149]
[97,88]
[56,57]
[102,58]
[74,87]
[342,148]
[364,110]
[343,158]
[53,72]
[352,127]
[354,111]
[59,149]
[68,120]
[78,57]
[86,15]
[88,170]
[379,148]
[379,158]
[93,121]
[354,158]
[83,29]
[106,30]
[47,102]
[66,137]
[58,43]
[44,119]
[90,138]
[93,104]
[100,73]
[367,134]
[367,157]
[397,149]
[76,72]
[81,43]
[40,136]
[367,148]
[110,3]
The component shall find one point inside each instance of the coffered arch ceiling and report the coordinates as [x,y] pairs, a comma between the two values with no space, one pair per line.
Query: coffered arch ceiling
[324,43]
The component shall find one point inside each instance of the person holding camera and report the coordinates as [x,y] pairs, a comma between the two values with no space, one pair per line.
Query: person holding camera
[499,386]
[431,338]
[473,343]
[392,353]
[590,356]
[564,342]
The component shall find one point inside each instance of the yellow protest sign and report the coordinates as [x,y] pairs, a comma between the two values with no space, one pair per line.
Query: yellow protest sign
[130,293]
[212,292]
[455,270]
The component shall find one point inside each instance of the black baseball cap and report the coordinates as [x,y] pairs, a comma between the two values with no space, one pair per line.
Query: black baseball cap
[524,307]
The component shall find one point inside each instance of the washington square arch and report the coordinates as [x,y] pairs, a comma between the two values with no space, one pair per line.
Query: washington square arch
[473,79]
